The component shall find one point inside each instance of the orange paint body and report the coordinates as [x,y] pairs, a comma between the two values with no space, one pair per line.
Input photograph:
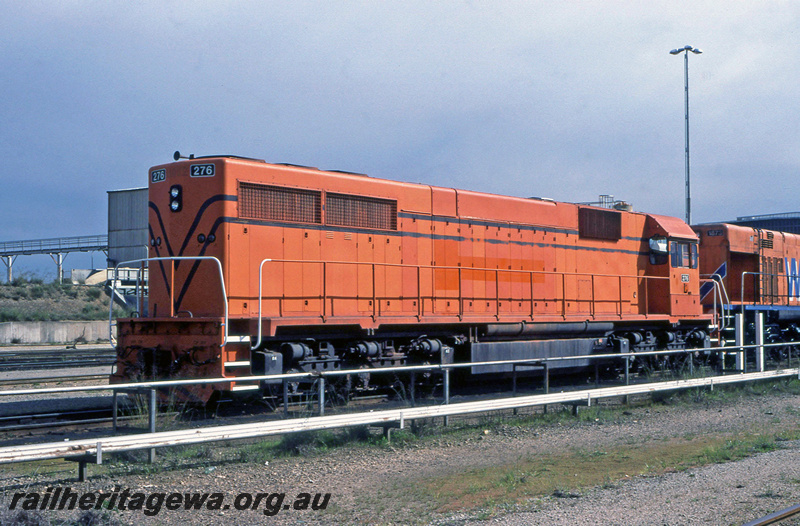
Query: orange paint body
[353,253]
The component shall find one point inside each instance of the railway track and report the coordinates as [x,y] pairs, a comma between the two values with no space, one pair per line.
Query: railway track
[53,379]
[82,417]
[33,359]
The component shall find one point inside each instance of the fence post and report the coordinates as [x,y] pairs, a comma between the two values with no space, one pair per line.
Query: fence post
[321,396]
[760,342]
[114,412]
[514,383]
[740,358]
[412,389]
[627,370]
[286,397]
[151,458]
[446,393]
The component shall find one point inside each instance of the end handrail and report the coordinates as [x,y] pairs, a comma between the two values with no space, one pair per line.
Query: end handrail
[260,284]
[722,293]
[168,258]
[772,274]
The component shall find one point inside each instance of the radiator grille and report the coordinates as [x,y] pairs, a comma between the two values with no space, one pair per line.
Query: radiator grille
[360,212]
[599,224]
[277,203]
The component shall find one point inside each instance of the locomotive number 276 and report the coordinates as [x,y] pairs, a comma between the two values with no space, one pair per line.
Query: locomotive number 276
[202,170]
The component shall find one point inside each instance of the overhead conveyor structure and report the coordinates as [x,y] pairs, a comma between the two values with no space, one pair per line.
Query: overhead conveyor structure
[56,248]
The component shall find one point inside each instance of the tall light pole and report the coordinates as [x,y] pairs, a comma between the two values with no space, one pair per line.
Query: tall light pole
[685,50]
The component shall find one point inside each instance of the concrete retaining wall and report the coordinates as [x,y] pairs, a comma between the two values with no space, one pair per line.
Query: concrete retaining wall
[53,331]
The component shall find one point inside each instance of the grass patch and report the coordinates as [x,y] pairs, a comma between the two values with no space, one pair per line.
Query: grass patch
[564,475]
[736,449]
[730,393]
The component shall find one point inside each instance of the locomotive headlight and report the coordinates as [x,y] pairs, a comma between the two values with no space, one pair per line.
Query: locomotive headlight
[175,198]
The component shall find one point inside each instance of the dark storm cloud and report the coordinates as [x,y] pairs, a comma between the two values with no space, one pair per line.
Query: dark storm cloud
[566,100]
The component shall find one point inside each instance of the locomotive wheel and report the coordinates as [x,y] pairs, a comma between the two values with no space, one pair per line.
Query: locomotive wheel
[338,391]
[355,383]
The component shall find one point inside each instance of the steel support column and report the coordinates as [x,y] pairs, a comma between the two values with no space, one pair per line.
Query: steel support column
[760,342]
[9,262]
[58,259]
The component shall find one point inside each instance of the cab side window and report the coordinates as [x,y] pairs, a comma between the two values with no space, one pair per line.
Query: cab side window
[683,255]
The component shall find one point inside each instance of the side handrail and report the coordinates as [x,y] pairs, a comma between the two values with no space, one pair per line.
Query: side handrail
[724,300]
[260,284]
[722,295]
[168,258]
[531,273]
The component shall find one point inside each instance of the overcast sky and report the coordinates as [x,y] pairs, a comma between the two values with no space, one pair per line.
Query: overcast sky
[567,100]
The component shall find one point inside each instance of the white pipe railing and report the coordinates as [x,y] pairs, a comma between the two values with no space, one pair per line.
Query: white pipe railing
[720,294]
[460,297]
[168,258]
[260,285]
[94,446]
[741,298]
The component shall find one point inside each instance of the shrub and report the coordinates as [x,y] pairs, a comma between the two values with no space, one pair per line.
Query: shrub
[37,292]
[94,293]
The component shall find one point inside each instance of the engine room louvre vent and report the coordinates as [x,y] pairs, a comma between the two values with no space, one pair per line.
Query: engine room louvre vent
[599,224]
[360,211]
[278,203]
[767,243]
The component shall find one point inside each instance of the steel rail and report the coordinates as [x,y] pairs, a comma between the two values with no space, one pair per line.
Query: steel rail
[55,365]
[50,359]
[778,516]
[98,446]
[49,379]
[43,366]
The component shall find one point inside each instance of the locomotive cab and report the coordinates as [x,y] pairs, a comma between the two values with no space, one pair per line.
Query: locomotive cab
[673,263]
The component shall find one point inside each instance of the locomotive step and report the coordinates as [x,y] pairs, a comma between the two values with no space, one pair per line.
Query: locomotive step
[237,388]
[242,363]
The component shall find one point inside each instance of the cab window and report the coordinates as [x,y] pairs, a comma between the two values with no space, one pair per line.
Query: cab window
[683,255]
[658,250]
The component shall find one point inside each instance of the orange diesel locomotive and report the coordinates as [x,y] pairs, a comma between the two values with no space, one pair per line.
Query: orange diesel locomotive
[759,271]
[261,268]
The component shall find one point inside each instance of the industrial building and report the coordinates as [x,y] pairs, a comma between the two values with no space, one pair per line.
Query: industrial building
[127,225]
[785,222]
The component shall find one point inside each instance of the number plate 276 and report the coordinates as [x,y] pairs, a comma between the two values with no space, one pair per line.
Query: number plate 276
[202,170]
